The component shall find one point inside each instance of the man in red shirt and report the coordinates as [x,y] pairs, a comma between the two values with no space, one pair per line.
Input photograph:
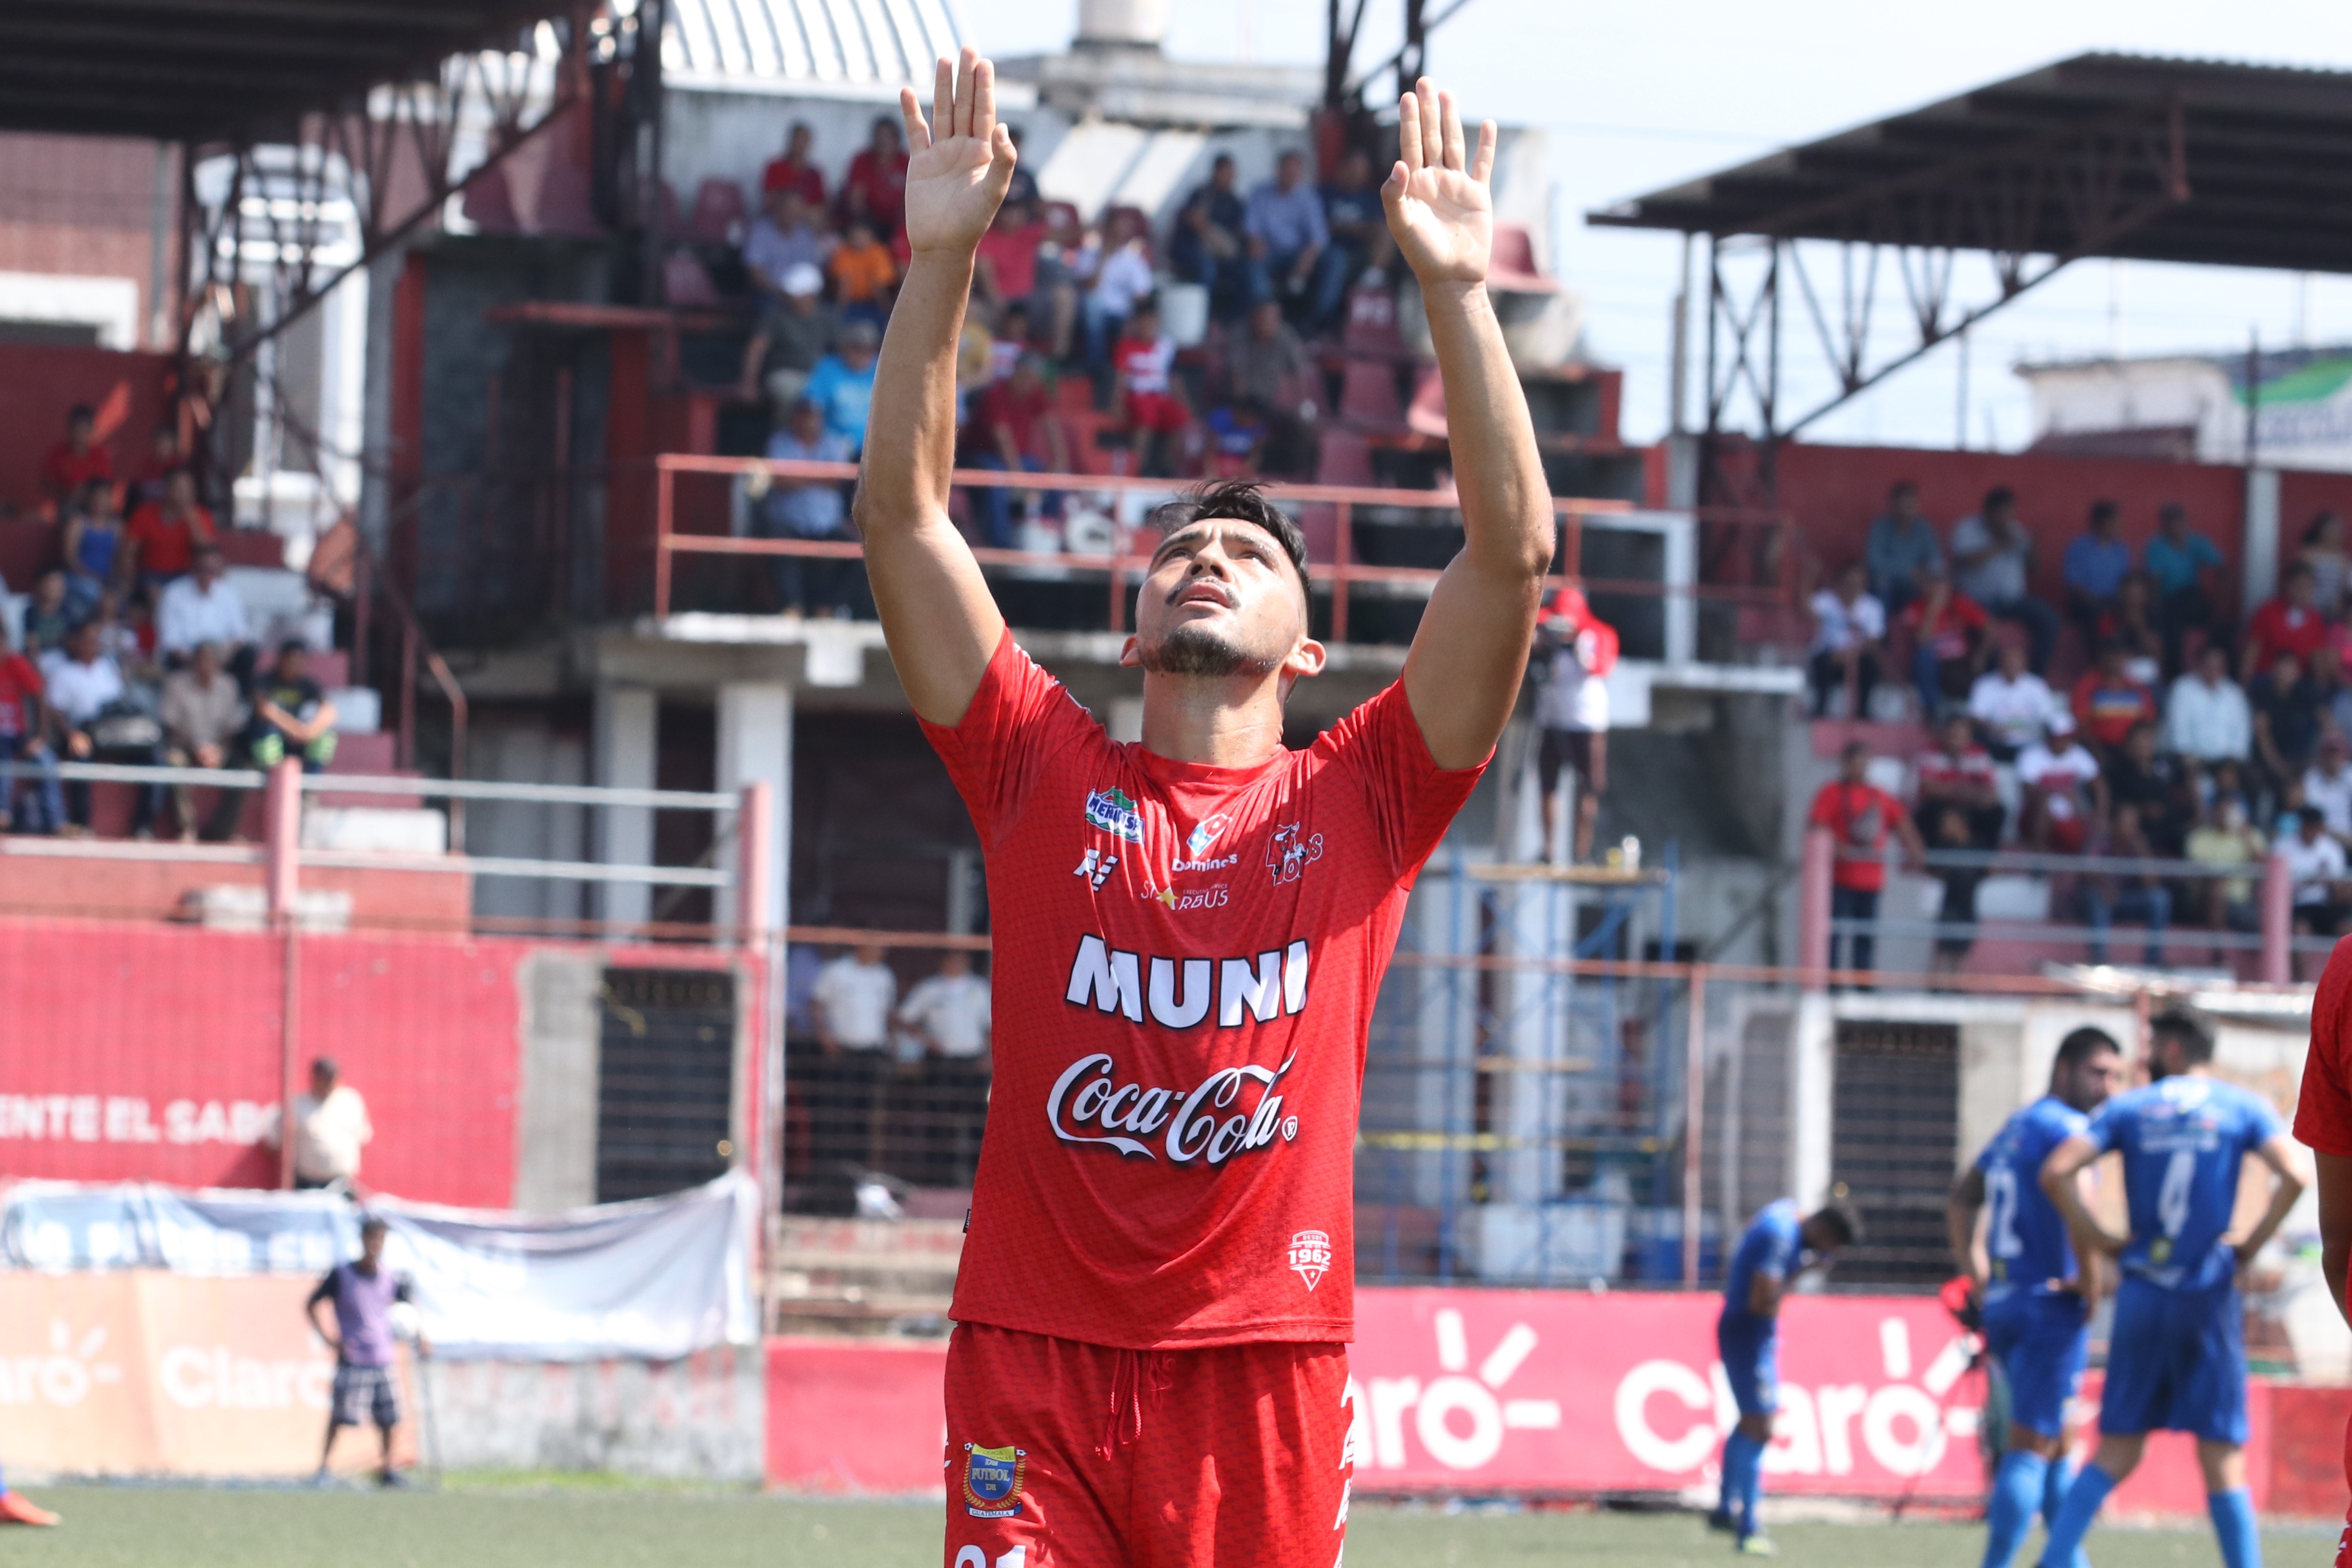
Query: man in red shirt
[24,738]
[1158,1283]
[1948,649]
[1151,404]
[2109,704]
[793,172]
[76,460]
[1860,815]
[2323,1122]
[1020,433]
[875,188]
[163,535]
[2291,623]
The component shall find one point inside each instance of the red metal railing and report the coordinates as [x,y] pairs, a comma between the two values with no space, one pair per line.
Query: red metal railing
[1337,575]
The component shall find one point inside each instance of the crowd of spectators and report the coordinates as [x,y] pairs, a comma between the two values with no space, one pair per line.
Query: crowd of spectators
[1053,296]
[2183,737]
[132,648]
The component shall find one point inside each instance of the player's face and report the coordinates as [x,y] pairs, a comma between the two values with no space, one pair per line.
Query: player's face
[1222,599]
[2089,1083]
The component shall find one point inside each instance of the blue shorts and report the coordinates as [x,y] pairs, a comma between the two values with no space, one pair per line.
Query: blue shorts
[2042,1340]
[2176,1363]
[1751,1361]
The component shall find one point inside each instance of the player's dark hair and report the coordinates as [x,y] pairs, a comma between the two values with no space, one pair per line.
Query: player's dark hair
[1841,1217]
[2187,1028]
[1242,500]
[2083,1043]
[373,1226]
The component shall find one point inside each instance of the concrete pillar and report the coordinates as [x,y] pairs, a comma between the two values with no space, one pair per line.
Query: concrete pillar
[1813,881]
[625,741]
[755,746]
[2278,923]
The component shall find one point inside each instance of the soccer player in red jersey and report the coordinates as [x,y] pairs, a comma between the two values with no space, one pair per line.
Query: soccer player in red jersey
[1149,1366]
[2323,1120]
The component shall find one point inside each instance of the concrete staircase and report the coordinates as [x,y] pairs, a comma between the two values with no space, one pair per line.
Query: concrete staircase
[863,1277]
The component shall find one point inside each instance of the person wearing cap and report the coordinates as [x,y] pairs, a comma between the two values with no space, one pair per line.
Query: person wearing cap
[842,383]
[2065,793]
[793,334]
[1575,651]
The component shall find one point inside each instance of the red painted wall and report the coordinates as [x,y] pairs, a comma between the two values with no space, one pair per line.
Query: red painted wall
[39,383]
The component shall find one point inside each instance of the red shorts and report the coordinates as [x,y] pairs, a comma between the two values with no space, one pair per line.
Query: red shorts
[1155,411]
[1067,1454]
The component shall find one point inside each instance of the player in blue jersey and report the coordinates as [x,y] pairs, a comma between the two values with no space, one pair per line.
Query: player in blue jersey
[2036,1317]
[2177,1354]
[1778,1246]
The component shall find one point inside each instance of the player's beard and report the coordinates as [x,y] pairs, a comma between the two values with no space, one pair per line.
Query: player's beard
[1194,650]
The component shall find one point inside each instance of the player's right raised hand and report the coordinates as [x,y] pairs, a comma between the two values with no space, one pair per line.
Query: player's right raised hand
[961,162]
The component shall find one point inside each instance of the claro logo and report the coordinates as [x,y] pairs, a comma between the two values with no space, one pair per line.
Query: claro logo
[1460,1417]
[66,1375]
[212,1377]
[1672,1418]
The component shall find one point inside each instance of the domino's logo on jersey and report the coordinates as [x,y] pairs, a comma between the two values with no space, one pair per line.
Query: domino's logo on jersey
[1204,834]
[1114,813]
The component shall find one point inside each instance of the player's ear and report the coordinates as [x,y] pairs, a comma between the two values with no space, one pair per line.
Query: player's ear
[1307,659]
[1128,655]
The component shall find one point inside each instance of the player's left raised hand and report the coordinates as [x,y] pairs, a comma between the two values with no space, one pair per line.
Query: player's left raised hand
[1440,207]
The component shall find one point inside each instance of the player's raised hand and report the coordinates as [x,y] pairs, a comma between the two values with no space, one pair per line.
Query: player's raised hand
[1439,205]
[960,164]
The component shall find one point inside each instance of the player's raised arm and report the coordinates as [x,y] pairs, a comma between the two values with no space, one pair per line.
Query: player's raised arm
[1462,675]
[936,613]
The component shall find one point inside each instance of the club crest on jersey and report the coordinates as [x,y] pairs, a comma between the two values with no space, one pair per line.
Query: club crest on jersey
[1111,810]
[991,1481]
[1310,1255]
[1288,853]
[1204,834]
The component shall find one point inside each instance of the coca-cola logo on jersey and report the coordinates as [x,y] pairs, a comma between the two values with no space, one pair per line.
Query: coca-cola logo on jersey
[1209,1122]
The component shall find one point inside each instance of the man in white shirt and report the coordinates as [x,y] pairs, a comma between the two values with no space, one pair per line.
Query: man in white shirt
[331,1128]
[851,1006]
[2011,705]
[1849,627]
[82,682]
[2206,715]
[2065,794]
[855,995]
[2315,863]
[950,1011]
[202,607]
[1572,715]
[2327,784]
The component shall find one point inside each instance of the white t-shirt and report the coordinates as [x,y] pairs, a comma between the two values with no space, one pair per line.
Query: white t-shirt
[186,615]
[952,1010]
[2016,711]
[2060,774]
[80,693]
[857,999]
[2332,797]
[1841,626]
[330,1133]
[2314,867]
[1124,277]
[1574,698]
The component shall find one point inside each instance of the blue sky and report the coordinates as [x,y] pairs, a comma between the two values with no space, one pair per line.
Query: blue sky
[1642,96]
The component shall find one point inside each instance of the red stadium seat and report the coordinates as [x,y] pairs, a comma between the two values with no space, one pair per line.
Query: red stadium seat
[719,213]
[685,282]
[1371,330]
[1368,396]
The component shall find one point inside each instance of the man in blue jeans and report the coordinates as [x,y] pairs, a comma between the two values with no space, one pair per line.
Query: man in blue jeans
[807,510]
[1290,251]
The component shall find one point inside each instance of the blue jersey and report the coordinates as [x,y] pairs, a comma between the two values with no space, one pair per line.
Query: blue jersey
[1772,1248]
[2025,1236]
[2183,1141]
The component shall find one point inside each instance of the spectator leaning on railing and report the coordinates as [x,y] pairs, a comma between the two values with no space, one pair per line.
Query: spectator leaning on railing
[202,713]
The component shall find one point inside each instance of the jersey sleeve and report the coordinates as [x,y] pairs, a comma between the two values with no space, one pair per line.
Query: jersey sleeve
[1410,799]
[2323,1119]
[2108,1125]
[1021,722]
[1778,1254]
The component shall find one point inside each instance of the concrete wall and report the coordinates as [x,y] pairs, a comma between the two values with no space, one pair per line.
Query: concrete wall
[703,1418]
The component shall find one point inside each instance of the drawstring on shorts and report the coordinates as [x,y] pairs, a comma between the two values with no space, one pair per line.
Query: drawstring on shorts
[1135,1376]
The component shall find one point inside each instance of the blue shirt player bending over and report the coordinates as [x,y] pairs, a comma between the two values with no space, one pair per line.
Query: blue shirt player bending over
[2036,1317]
[2177,1354]
[1778,1246]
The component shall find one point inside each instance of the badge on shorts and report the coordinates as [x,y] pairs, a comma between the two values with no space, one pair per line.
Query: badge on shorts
[991,1481]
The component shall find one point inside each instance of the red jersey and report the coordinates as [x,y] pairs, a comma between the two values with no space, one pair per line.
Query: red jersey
[19,681]
[1189,961]
[1859,815]
[64,470]
[2322,1118]
[167,547]
[1942,774]
[1947,635]
[783,175]
[2280,627]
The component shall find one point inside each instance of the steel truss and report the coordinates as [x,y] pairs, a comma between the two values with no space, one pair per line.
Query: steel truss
[2033,206]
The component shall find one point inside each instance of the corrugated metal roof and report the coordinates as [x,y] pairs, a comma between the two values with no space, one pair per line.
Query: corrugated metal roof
[848,41]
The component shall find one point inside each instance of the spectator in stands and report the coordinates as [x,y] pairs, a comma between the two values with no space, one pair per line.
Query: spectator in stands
[2225,781]
[1207,246]
[2130,624]
[2224,838]
[784,238]
[794,332]
[2206,715]
[2327,783]
[95,722]
[1358,225]
[330,1129]
[203,715]
[1901,549]
[25,727]
[1065,269]
[2011,704]
[807,509]
[202,607]
[854,996]
[163,535]
[1992,560]
[2131,897]
[1012,338]
[2322,551]
[1849,642]
[76,460]
[1955,782]
[127,634]
[863,274]
[1020,433]
[794,171]
[291,715]
[2315,865]
[2285,704]
[875,188]
[1022,187]
[2156,783]
[1575,651]
[2290,623]
[2331,688]
[949,1012]
[163,455]
[843,383]
[1237,435]
[2064,792]
[1266,364]
[1290,251]
[2185,568]
[1860,816]
[2107,702]
[1948,646]
[92,546]
[48,615]
[2093,568]
[1121,280]
[1005,274]
[1146,400]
